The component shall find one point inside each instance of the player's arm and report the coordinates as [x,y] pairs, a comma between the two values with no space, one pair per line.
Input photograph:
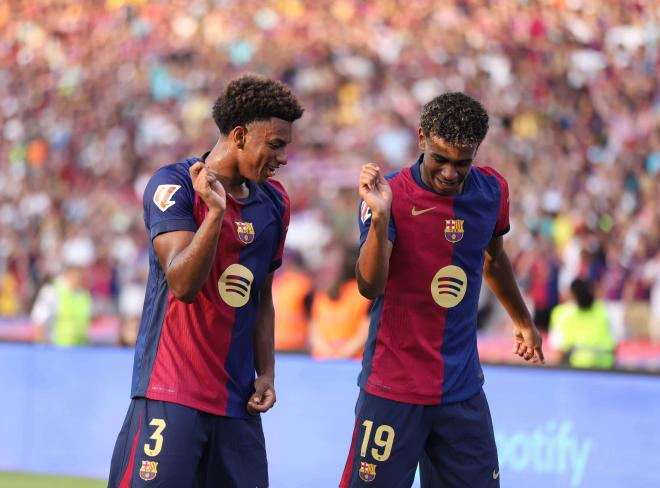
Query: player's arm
[374,262]
[185,256]
[499,277]
[264,351]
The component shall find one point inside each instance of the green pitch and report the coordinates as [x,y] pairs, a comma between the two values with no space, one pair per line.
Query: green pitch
[25,480]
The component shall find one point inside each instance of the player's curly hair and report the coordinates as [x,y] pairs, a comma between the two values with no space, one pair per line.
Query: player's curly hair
[458,119]
[253,98]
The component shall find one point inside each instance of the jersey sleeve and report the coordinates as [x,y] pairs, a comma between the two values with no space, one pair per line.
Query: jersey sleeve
[364,221]
[285,213]
[502,226]
[168,202]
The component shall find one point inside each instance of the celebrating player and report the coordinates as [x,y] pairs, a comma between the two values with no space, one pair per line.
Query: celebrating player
[428,234]
[216,226]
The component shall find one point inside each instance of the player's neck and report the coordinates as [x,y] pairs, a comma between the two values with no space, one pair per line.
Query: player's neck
[223,162]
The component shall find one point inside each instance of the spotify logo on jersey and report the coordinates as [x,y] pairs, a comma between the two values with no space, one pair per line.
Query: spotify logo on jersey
[448,286]
[234,285]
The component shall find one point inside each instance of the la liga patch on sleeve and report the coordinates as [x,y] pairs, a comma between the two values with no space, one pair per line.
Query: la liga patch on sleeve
[365,212]
[163,196]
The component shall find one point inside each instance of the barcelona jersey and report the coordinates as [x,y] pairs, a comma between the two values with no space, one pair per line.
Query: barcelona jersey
[201,354]
[422,344]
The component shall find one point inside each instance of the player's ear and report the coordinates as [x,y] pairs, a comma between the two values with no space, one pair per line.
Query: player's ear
[238,136]
[421,139]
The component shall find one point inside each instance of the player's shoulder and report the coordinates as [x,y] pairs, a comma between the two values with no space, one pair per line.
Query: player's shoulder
[170,179]
[276,193]
[274,187]
[395,175]
[486,172]
[175,171]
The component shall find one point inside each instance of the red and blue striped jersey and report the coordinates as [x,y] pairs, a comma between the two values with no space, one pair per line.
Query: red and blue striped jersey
[201,354]
[422,344]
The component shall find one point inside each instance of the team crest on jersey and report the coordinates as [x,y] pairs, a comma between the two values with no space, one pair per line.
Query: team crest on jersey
[367,471]
[245,232]
[149,470]
[163,196]
[365,212]
[454,230]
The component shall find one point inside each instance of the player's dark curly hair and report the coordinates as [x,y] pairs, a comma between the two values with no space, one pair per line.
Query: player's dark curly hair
[458,119]
[253,98]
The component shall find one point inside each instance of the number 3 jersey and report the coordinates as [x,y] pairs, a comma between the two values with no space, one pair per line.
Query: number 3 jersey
[422,344]
[201,354]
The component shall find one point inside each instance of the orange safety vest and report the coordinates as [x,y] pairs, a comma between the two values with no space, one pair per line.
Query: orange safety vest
[291,323]
[339,320]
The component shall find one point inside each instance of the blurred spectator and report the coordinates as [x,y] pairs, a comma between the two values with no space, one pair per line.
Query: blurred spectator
[653,275]
[292,297]
[63,308]
[638,293]
[10,302]
[94,94]
[614,281]
[339,321]
[541,269]
[581,331]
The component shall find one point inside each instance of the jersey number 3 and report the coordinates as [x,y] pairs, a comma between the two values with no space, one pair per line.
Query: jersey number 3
[156,436]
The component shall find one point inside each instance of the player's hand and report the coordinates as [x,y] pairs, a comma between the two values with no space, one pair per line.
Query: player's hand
[527,343]
[207,185]
[375,190]
[263,397]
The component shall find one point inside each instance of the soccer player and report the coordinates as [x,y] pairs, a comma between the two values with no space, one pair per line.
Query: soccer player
[428,234]
[216,227]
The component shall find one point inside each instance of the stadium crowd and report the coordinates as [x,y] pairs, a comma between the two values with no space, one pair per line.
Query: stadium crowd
[94,96]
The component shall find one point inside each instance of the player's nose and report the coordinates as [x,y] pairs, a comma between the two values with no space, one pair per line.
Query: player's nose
[282,158]
[449,173]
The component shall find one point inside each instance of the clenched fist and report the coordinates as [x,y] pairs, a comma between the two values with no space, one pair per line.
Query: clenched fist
[375,190]
[206,183]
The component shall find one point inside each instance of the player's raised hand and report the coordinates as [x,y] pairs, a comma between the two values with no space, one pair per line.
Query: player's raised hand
[263,397]
[374,189]
[206,183]
[527,343]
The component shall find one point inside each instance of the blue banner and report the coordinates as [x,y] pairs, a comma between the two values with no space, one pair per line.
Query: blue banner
[62,410]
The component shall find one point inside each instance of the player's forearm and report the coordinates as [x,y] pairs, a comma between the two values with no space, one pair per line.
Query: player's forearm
[189,270]
[499,277]
[264,339]
[373,263]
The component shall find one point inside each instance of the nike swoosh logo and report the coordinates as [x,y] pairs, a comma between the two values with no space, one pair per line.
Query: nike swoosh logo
[416,212]
[496,474]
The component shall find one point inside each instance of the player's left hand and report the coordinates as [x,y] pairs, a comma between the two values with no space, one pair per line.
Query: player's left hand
[263,397]
[527,343]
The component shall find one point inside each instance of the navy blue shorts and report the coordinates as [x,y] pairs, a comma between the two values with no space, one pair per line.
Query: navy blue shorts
[164,444]
[454,445]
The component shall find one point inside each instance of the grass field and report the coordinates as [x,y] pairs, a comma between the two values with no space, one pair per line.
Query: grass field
[25,480]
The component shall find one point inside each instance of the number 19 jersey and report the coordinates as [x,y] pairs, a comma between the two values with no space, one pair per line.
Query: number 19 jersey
[422,344]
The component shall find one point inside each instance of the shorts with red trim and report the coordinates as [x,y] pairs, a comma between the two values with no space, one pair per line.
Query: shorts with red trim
[163,444]
[453,444]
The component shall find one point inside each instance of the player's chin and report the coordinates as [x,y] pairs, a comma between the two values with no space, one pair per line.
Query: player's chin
[264,176]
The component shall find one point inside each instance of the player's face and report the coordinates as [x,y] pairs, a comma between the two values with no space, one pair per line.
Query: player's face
[265,149]
[444,167]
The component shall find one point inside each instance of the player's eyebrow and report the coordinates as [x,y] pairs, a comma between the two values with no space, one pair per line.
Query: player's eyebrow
[445,158]
[278,141]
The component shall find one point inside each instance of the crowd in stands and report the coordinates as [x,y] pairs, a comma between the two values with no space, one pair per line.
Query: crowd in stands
[95,95]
